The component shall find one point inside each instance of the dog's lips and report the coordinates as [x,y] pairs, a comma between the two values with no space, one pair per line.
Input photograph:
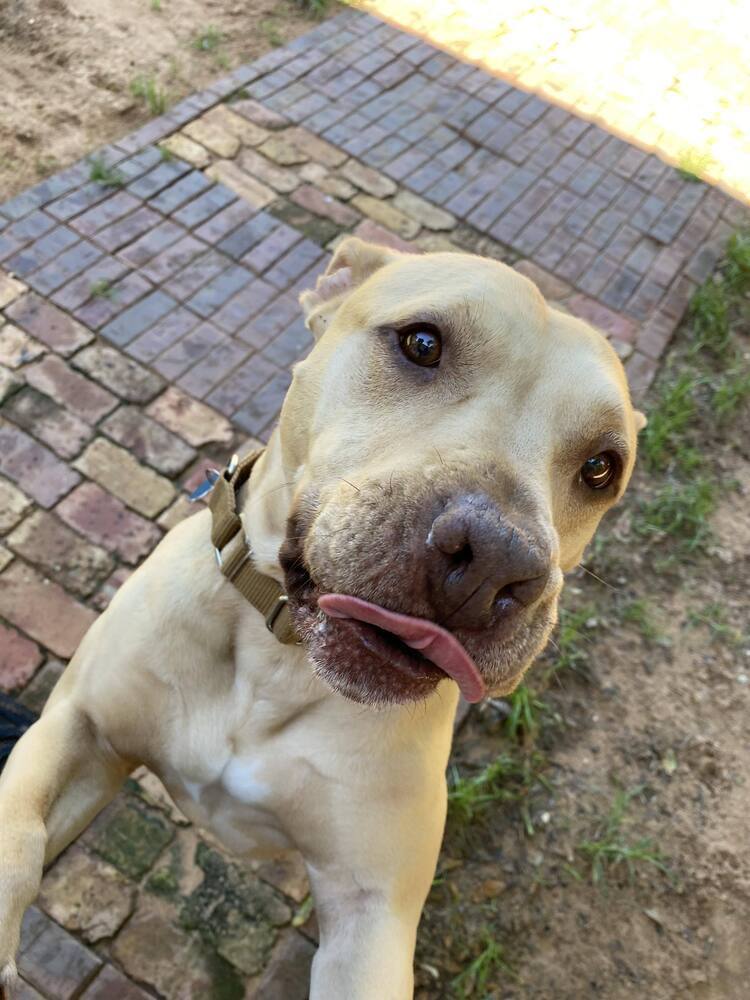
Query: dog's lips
[436,644]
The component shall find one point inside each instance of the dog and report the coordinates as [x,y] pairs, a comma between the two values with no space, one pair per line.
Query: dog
[443,456]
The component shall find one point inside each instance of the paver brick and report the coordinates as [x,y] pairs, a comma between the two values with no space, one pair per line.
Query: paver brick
[33,467]
[252,191]
[288,347]
[246,304]
[139,317]
[268,251]
[37,254]
[423,211]
[103,274]
[110,984]
[263,407]
[293,264]
[10,382]
[194,422]
[369,180]
[194,346]
[259,114]
[120,374]
[206,205]
[56,964]
[247,235]
[281,179]
[25,231]
[127,229]
[163,334]
[105,213]
[386,215]
[102,308]
[116,470]
[52,424]
[10,290]
[146,247]
[19,659]
[17,347]
[315,201]
[210,370]
[43,610]
[150,184]
[13,505]
[69,264]
[69,389]
[613,324]
[187,149]
[106,521]
[148,440]
[242,384]
[42,539]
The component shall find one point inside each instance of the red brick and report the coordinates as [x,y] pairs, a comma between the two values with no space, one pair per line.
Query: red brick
[110,587]
[612,323]
[80,395]
[552,288]
[640,371]
[43,610]
[148,440]
[104,520]
[65,433]
[48,324]
[56,963]
[19,659]
[195,422]
[656,334]
[42,539]
[33,467]
[373,233]
[110,984]
[118,373]
[315,201]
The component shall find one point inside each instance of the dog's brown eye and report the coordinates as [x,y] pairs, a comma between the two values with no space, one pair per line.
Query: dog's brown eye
[422,345]
[599,471]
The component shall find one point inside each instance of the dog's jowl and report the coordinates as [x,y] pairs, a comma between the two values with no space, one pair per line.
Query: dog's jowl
[443,456]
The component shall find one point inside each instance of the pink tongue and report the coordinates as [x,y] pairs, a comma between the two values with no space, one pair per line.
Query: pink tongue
[432,641]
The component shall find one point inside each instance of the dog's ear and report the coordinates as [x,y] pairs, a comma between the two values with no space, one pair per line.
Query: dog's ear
[352,263]
[640,420]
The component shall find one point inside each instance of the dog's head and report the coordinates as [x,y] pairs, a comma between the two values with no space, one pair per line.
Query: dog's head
[457,442]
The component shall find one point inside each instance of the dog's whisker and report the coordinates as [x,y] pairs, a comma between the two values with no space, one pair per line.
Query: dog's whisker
[350,484]
[598,578]
[439,455]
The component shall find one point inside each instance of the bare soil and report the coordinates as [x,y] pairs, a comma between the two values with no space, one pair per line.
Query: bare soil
[67,67]
[657,708]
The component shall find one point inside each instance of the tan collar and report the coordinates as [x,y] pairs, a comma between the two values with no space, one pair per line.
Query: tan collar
[233,552]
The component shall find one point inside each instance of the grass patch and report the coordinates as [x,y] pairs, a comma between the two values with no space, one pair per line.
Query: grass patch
[737,267]
[508,778]
[272,34]
[100,173]
[709,312]
[661,440]
[609,849]
[475,977]
[526,712]
[146,89]
[208,40]
[731,393]
[715,618]
[638,613]
[680,510]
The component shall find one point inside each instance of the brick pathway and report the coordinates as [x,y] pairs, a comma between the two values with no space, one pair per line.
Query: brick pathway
[149,327]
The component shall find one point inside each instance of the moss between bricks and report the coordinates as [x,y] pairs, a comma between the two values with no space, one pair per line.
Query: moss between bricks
[133,840]
[234,912]
[320,231]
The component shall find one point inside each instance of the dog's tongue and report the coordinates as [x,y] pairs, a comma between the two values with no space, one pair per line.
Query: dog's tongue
[433,642]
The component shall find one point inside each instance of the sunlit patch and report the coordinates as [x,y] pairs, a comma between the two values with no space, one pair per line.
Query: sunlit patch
[669,76]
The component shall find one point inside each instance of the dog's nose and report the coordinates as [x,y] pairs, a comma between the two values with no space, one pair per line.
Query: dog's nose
[480,567]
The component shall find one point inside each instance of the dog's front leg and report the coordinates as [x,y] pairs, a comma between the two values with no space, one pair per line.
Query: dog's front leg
[60,774]
[369,897]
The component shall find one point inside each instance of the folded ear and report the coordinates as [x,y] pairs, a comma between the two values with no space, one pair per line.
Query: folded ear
[352,263]
[640,420]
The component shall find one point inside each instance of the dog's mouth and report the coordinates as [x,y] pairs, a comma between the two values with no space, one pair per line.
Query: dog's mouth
[413,644]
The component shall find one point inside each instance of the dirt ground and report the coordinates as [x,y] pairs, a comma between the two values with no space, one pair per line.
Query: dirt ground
[638,745]
[68,68]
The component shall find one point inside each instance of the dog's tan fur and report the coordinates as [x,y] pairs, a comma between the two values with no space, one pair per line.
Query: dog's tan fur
[248,735]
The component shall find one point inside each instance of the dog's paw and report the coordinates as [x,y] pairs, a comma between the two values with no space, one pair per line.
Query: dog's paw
[8,979]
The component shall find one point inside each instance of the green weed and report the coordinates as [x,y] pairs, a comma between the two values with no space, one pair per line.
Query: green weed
[156,5]
[505,779]
[668,420]
[609,848]
[731,392]
[737,266]
[475,977]
[709,311]
[680,510]
[272,33]
[714,616]
[638,613]
[145,88]
[571,639]
[208,40]
[104,175]
[526,711]
[102,289]
[314,7]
